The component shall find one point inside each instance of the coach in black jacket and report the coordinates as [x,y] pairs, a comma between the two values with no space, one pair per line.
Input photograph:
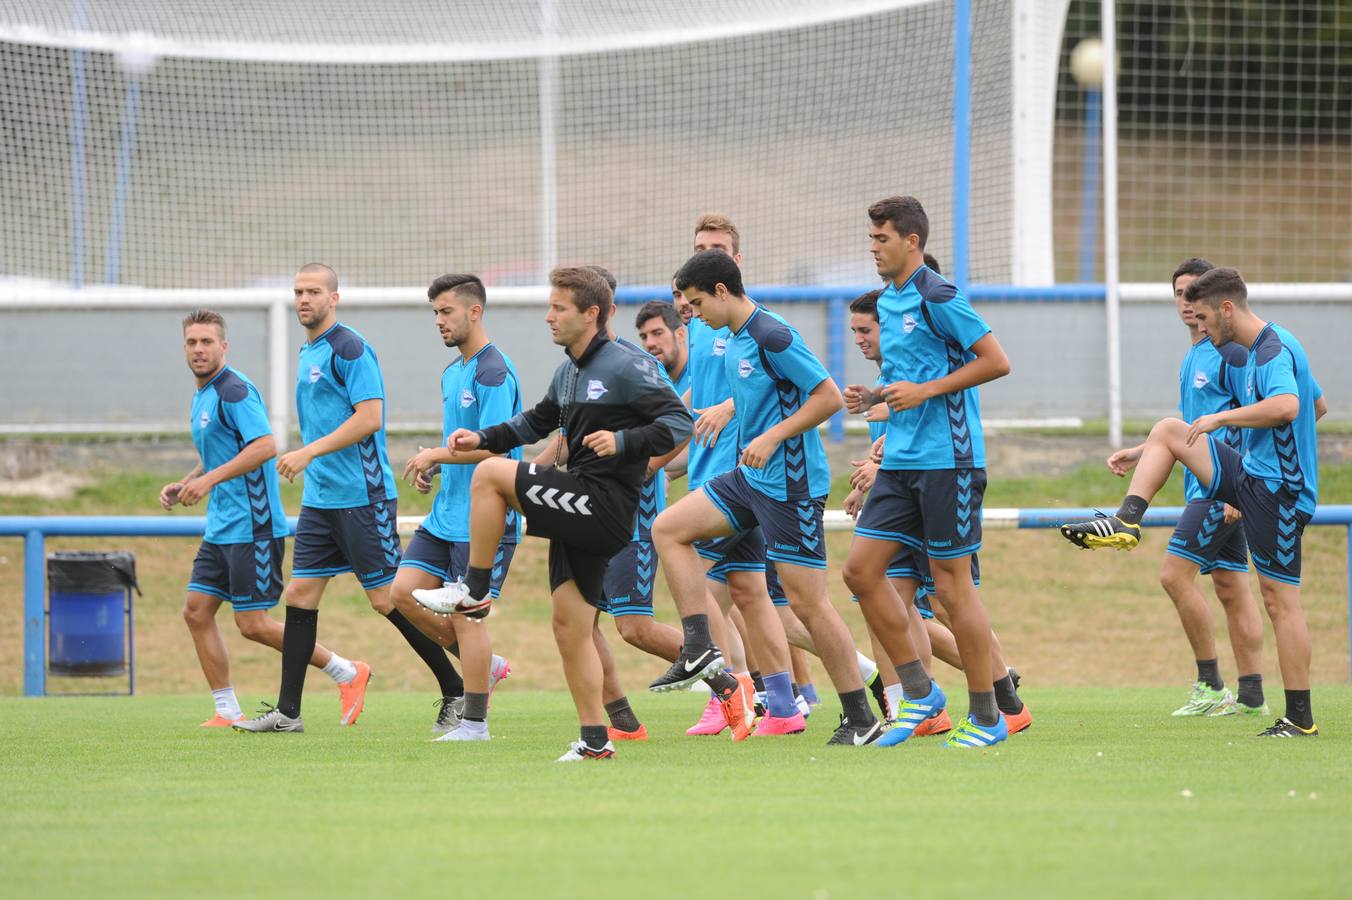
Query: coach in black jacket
[616,412]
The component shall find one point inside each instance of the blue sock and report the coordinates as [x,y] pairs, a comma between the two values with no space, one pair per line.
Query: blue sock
[810,694]
[779,700]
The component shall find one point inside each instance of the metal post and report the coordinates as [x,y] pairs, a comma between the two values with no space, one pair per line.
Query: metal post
[34,614]
[549,192]
[1089,185]
[1111,274]
[1349,599]
[123,182]
[279,382]
[77,154]
[962,138]
[835,356]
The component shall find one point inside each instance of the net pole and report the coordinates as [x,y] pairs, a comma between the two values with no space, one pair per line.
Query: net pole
[279,389]
[962,138]
[1111,272]
[113,262]
[77,153]
[549,191]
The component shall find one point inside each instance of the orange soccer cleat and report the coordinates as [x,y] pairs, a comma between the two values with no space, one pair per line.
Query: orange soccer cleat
[936,724]
[352,695]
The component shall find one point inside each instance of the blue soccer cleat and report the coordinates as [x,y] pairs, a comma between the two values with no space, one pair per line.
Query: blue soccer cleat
[970,734]
[912,713]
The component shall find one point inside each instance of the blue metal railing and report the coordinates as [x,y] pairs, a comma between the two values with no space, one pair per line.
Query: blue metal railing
[36,529]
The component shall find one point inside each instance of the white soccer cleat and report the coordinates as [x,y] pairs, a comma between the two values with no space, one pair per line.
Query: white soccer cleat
[449,599]
[580,752]
[465,731]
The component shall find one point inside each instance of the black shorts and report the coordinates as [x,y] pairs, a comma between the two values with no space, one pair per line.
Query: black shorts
[248,576]
[1272,523]
[362,540]
[937,511]
[449,560]
[1203,537]
[583,526]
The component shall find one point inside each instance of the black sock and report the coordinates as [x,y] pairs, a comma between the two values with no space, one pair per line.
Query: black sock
[793,686]
[721,684]
[1007,697]
[758,682]
[477,580]
[1209,673]
[915,681]
[1250,690]
[1132,509]
[621,715]
[448,679]
[855,706]
[298,645]
[1298,708]
[476,707]
[695,635]
[594,736]
[981,706]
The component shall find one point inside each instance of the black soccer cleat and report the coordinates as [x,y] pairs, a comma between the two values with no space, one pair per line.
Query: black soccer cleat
[1285,728]
[879,691]
[852,735]
[688,668]
[1102,532]
[1014,677]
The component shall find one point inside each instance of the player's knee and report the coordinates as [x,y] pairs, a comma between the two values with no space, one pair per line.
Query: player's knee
[666,530]
[196,616]
[631,630]
[252,627]
[1173,579]
[382,602]
[1169,430]
[570,633]
[858,576]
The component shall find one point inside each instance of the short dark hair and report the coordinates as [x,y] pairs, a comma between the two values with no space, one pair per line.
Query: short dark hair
[866,304]
[605,276]
[709,268]
[330,276]
[1217,284]
[906,215]
[933,263]
[1192,266]
[588,289]
[205,317]
[659,309]
[467,286]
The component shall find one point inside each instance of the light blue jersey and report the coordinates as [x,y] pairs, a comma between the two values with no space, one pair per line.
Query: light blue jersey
[227,415]
[475,393]
[927,328]
[877,429]
[771,372]
[682,380]
[1284,455]
[1210,381]
[338,370]
[709,387]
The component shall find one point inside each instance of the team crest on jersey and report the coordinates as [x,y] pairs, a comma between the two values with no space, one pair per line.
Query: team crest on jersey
[1199,379]
[720,346]
[466,398]
[744,368]
[595,389]
[908,323]
[206,417]
[315,374]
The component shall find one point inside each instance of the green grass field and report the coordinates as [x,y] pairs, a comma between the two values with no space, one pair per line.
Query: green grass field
[1106,795]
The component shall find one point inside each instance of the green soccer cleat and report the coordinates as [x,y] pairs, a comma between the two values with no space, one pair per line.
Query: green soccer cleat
[1203,700]
[1102,532]
[1233,707]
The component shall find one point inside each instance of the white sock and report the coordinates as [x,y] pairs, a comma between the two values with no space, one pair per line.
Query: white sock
[227,707]
[340,670]
[866,666]
[894,698]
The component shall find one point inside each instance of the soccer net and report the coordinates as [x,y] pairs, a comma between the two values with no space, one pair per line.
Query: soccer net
[201,144]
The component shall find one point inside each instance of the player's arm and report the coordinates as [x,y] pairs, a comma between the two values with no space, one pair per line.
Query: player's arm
[679,465]
[668,428]
[169,494]
[1321,407]
[525,427]
[658,463]
[1270,412]
[366,419]
[823,403]
[712,421]
[990,363]
[254,454]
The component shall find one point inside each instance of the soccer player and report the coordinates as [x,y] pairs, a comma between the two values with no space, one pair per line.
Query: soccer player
[349,507]
[616,412]
[240,559]
[1209,538]
[927,494]
[1273,484]
[480,388]
[781,393]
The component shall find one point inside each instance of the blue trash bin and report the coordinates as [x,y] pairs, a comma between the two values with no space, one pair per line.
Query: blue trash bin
[88,606]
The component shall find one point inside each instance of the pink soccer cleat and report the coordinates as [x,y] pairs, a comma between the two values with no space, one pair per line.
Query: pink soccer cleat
[772,725]
[712,721]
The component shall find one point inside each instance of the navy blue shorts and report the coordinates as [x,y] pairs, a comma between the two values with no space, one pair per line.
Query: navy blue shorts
[362,540]
[913,565]
[449,560]
[792,528]
[937,511]
[249,576]
[1203,537]
[1272,523]
[628,585]
[742,552]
